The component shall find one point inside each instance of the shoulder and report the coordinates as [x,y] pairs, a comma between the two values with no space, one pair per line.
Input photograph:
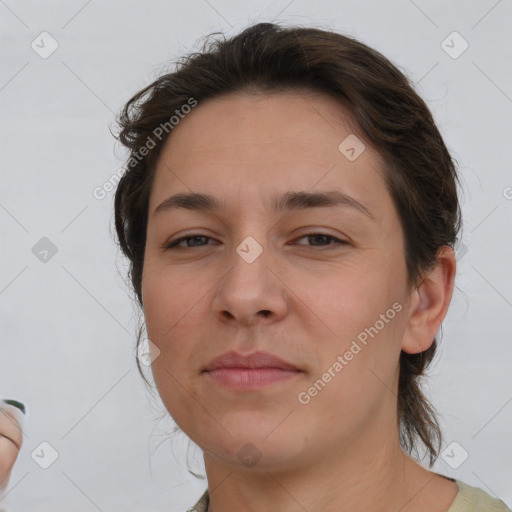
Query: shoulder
[474,499]
[468,499]
[202,504]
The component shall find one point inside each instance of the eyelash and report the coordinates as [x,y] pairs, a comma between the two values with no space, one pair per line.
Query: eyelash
[174,244]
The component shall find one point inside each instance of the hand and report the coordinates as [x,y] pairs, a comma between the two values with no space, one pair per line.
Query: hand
[11,438]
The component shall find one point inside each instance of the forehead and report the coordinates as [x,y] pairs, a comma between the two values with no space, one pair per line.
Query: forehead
[254,145]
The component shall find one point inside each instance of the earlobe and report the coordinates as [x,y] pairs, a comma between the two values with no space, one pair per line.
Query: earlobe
[429,303]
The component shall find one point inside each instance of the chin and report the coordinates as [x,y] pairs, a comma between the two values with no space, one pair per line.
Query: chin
[256,457]
[253,448]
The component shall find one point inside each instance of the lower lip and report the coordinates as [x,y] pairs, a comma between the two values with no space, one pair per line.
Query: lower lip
[250,378]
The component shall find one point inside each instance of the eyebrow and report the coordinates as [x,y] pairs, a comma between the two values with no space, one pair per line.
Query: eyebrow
[288,201]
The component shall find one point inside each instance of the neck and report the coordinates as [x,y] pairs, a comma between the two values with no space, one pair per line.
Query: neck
[376,476]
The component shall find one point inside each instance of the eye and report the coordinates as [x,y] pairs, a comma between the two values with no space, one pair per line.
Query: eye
[195,240]
[194,237]
[323,236]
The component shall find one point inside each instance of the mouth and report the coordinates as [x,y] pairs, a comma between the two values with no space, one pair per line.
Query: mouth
[249,372]
[250,378]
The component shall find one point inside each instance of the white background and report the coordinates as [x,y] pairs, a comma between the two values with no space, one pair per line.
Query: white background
[67,326]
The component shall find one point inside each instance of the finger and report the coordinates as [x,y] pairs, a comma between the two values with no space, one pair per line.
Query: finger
[8,455]
[11,420]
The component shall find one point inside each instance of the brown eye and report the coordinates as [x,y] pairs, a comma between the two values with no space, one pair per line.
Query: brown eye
[195,242]
[322,237]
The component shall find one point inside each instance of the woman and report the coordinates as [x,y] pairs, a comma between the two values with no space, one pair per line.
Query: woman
[289,211]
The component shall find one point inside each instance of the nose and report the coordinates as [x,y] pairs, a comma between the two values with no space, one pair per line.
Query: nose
[251,292]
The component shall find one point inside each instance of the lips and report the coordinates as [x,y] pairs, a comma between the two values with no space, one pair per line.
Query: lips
[250,373]
[250,361]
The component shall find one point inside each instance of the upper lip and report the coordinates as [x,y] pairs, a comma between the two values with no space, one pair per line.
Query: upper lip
[233,359]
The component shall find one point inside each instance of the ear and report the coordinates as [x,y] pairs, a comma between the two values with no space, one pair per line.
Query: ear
[429,303]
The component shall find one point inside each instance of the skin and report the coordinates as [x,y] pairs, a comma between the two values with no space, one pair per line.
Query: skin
[11,439]
[304,299]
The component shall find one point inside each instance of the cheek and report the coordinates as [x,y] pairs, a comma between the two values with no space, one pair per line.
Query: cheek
[172,314]
[170,301]
[365,314]
[177,307]
[349,300]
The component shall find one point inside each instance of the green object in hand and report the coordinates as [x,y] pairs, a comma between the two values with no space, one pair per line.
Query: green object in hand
[17,404]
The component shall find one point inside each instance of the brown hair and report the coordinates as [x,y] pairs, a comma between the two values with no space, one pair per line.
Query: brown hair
[266,57]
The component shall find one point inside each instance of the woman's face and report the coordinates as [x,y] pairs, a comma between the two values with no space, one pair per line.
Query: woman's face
[253,278]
